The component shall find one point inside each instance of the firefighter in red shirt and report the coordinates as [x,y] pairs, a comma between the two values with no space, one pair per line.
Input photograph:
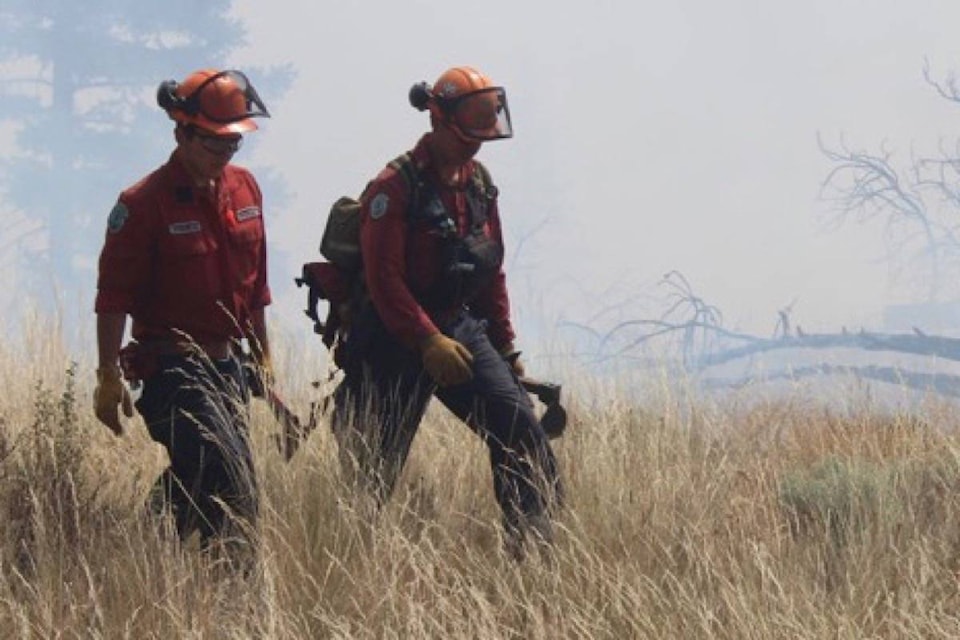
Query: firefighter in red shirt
[437,321]
[185,258]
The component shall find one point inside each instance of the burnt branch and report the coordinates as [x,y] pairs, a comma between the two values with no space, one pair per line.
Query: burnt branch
[746,345]
[917,343]
[689,317]
[940,383]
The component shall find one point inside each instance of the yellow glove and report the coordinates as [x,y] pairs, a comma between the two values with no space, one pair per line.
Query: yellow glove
[446,360]
[110,393]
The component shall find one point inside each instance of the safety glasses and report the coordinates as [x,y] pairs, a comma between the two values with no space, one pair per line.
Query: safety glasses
[219,145]
[481,115]
[224,98]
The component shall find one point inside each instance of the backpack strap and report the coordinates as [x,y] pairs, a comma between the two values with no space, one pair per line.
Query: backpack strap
[407,168]
[480,197]
[482,189]
[405,165]
[483,182]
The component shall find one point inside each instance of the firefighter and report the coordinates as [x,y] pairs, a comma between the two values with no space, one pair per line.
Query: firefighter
[185,258]
[436,320]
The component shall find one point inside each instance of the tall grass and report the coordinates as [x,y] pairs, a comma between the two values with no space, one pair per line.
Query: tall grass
[684,519]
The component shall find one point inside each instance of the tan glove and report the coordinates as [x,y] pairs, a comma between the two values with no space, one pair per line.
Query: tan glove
[110,393]
[446,360]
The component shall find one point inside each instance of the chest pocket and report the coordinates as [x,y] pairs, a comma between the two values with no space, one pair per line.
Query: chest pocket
[244,233]
[483,253]
[186,238]
[247,227]
[479,255]
[462,265]
[187,272]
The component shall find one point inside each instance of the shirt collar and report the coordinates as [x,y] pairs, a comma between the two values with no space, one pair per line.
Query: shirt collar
[180,179]
[421,158]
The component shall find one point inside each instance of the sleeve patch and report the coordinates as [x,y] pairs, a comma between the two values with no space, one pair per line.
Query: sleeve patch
[118,216]
[379,205]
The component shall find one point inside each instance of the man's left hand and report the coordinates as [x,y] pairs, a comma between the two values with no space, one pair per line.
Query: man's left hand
[109,397]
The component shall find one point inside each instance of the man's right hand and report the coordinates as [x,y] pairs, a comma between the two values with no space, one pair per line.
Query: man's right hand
[110,394]
[446,360]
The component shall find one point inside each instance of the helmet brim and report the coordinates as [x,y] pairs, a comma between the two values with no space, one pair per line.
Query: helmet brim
[217,128]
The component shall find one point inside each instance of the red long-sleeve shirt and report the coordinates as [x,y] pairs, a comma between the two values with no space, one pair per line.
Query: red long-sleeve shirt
[176,258]
[403,261]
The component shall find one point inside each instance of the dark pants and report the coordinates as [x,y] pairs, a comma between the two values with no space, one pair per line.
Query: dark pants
[385,392]
[197,409]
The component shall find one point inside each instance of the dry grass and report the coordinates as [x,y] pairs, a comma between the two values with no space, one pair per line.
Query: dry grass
[685,519]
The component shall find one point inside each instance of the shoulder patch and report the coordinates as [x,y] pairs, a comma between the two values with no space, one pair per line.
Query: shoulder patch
[118,216]
[378,206]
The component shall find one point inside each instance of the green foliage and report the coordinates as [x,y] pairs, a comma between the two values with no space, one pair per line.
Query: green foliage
[839,497]
[42,496]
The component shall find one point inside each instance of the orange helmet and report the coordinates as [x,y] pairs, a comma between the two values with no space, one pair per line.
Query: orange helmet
[222,102]
[460,81]
[468,101]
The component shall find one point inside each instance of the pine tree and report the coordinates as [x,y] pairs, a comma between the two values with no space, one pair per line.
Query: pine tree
[78,83]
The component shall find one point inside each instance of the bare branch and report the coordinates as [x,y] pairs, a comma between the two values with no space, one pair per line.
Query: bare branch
[911,343]
[947,90]
[941,383]
[867,186]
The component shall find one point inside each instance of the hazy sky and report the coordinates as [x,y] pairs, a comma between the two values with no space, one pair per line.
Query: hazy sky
[650,136]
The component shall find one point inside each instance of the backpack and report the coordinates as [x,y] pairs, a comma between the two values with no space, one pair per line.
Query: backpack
[339,280]
[340,242]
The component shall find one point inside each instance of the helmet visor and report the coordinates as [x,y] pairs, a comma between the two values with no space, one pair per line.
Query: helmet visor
[483,114]
[226,97]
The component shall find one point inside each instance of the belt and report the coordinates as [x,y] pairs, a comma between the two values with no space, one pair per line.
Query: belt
[214,349]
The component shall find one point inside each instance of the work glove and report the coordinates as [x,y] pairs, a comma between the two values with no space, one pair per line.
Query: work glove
[110,393]
[512,356]
[446,360]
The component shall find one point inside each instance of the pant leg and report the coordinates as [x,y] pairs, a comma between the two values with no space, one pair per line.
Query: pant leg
[495,405]
[198,411]
[378,407]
